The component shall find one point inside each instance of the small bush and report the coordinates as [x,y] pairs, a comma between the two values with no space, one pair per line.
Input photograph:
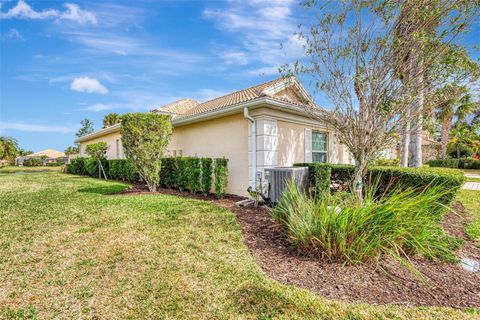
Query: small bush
[469,163]
[168,173]
[33,162]
[387,162]
[338,227]
[319,175]
[182,179]
[77,166]
[221,176]
[206,185]
[54,164]
[388,178]
[193,170]
[444,163]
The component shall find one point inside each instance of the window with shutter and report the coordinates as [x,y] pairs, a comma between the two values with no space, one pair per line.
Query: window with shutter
[319,147]
[308,145]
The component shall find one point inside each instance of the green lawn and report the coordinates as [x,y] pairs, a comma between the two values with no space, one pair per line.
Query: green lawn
[15,169]
[68,250]
[471,200]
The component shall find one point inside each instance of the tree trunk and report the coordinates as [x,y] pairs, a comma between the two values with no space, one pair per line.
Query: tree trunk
[359,177]
[404,148]
[446,124]
[416,136]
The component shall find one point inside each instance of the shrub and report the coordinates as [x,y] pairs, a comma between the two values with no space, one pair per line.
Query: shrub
[388,178]
[387,162]
[469,163]
[338,227]
[444,163]
[122,169]
[206,175]
[168,173]
[193,170]
[182,179]
[145,137]
[319,175]
[33,162]
[77,166]
[221,176]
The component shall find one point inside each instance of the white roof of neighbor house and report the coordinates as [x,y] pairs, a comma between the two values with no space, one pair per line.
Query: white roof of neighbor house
[50,153]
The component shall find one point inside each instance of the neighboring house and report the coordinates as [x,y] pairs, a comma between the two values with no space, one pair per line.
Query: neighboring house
[47,156]
[259,127]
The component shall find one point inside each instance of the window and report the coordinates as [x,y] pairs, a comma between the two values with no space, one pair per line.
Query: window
[319,147]
[118,148]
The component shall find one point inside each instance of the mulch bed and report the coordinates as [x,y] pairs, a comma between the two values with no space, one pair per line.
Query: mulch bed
[384,282]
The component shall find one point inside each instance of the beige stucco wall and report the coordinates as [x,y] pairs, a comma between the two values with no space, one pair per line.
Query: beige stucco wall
[291,143]
[224,137]
[110,139]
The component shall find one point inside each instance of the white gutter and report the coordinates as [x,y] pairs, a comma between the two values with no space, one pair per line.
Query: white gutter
[253,144]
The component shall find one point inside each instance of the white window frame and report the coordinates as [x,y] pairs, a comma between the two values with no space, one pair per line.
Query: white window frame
[325,134]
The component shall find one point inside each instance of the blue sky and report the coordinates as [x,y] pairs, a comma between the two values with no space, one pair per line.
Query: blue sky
[65,61]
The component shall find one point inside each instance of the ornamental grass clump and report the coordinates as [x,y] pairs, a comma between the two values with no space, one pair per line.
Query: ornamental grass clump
[339,227]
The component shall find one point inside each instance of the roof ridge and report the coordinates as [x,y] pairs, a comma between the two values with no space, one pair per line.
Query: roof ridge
[245,89]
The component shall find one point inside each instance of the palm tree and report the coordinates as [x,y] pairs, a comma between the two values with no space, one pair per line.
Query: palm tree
[8,148]
[456,102]
[111,119]
[461,135]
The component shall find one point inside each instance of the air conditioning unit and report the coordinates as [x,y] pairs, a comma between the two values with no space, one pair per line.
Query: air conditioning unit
[279,176]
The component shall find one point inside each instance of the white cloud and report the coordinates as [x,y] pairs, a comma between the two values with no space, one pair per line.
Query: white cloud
[89,85]
[22,126]
[235,57]
[71,13]
[264,30]
[97,107]
[13,34]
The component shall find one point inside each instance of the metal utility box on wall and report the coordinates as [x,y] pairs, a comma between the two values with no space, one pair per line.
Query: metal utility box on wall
[278,177]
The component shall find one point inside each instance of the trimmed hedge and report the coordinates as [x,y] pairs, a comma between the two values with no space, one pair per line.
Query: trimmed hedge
[183,173]
[319,175]
[463,163]
[221,176]
[443,163]
[33,162]
[389,178]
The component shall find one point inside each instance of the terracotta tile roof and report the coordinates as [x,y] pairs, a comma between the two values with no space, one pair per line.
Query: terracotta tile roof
[178,107]
[240,96]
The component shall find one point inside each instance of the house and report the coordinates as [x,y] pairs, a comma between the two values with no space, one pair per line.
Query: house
[47,156]
[255,128]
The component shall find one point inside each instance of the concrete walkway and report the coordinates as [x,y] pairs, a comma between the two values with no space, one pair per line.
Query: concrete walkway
[472,185]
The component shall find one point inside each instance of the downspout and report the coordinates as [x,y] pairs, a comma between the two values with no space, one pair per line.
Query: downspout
[253,143]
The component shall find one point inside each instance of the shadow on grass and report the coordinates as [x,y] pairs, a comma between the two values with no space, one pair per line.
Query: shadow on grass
[104,190]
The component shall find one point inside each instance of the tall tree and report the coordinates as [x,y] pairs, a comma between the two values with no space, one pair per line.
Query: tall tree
[352,55]
[111,119]
[8,148]
[86,128]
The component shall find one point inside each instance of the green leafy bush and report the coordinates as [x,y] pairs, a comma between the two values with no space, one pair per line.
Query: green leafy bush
[387,162]
[122,169]
[168,173]
[182,178]
[206,175]
[77,166]
[469,163]
[54,164]
[193,170]
[444,163]
[388,178]
[33,162]
[221,176]
[339,227]
[319,175]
